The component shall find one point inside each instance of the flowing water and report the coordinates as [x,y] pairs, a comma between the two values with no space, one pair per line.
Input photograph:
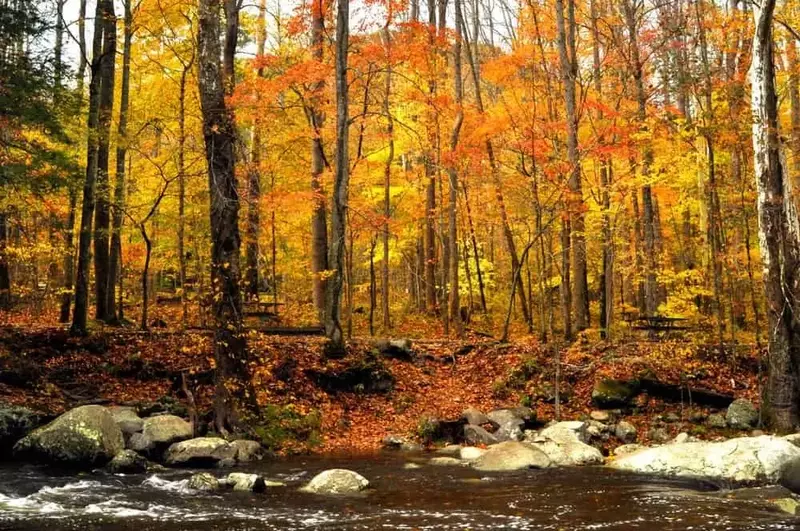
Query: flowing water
[430,497]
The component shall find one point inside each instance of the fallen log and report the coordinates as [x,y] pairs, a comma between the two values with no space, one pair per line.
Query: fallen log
[684,393]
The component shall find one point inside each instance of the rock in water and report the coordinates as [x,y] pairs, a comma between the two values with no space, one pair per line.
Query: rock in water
[562,443]
[86,436]
[202,451]
[511,455]
[477,435]
[163,430]
[625,432]
[610,394]
[203,482]
[762,459]
[247,450]
[336,481]
[470,453]
[445,461]
[246,482]
[741,414]
[127,462]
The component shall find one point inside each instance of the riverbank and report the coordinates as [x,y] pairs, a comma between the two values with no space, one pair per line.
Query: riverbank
[354,404]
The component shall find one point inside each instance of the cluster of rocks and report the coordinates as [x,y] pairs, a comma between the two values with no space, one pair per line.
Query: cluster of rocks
[92,436]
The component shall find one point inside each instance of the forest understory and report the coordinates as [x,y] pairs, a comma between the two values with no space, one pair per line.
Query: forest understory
[313,404]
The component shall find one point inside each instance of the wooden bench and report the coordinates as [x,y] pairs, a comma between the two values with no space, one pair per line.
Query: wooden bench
[654,324]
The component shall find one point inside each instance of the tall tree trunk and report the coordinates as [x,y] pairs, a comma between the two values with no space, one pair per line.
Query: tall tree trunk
[455,304]
[477,255]
[566,286]
[648,221]
[333,326]
[430,177]
[102,213]
[233,387]
[230,43]
[794,100]
[182,191]
[319,224]
[575,206]
[5,278]
[778,227]
[253,226]
[79,316]
[387,174]
[115,263]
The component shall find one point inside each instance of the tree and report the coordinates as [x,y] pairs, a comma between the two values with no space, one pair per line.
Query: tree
[333,325]
[233,388]
[778,227]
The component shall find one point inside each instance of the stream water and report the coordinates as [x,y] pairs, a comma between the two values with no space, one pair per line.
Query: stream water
[440,498]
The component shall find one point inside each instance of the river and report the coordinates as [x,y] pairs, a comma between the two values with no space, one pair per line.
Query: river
[440,498]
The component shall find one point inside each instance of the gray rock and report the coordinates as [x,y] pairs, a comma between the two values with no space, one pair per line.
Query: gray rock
[412,466]
[773,496]
[764,460]
[600,415]
[715,420]
[336,481]
[395,348]
[564,445]
[609,394]
[450,449]
[15,423]
[511,455]
[658,435]
[475,417]
[163,430]
[246,482]
[201,451]
[510,425]
[475,435]
[127,462]
[470,453]
[625,432]
[247,451]
[139,442]
[793,438]
[394,442]
[127,419]
[741,414]
[85,437]
[626,449]
[682,438]
[445,461]
[203,482]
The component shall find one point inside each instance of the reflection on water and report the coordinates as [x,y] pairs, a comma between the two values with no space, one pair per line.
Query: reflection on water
[440,498]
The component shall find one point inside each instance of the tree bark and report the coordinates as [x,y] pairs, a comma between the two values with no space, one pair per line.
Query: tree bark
[233,387]
[115,263]
[387,174]
[778,228]
[5,278]
[319,224]
[333,326]
[87,210]
[431,301]
[454,302]
[575,206]
[102,213]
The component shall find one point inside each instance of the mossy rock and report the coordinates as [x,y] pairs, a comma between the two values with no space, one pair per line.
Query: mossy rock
[84,437]
[609,393]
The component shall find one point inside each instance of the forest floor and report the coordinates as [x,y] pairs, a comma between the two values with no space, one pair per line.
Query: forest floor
[321,405]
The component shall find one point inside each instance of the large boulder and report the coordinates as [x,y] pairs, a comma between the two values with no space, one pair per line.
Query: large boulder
[511,455]
[741,414]
[475,435]
[15,423]
[163,430]
[470,453]
[609,393]
[201,451]
[127,419]
[246,482]
[475,417]
[764,459]
[86,436]
[511,424]
[336,481]
[625,432]
[564,444]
